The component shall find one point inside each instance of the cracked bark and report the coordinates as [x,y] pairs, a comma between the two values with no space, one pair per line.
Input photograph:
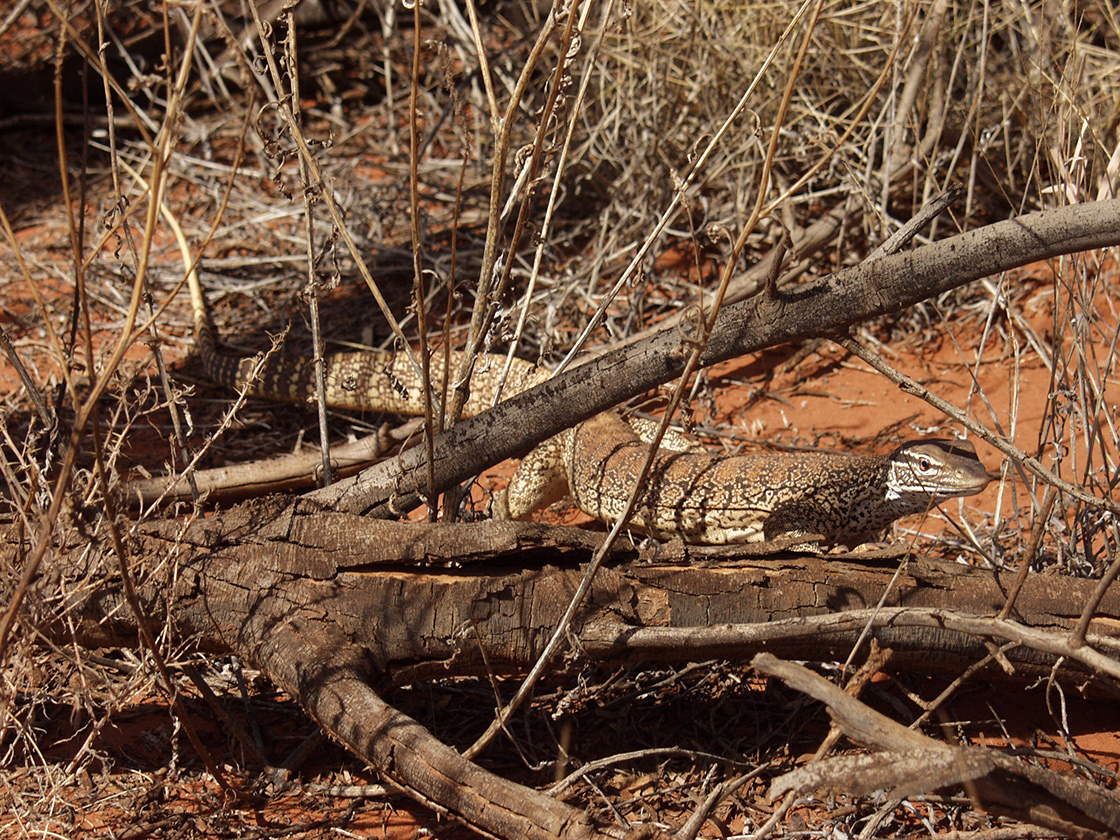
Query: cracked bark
[337,608]
[395,601]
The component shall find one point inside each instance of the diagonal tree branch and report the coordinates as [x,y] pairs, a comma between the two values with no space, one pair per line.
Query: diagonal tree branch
[820,308]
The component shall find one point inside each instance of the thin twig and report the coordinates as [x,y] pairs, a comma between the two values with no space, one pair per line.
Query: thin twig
[1077,637]
[309,191]
[327,194]
[418,256]
[1027,560]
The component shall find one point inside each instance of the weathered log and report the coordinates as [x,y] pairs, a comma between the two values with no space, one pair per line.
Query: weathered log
[403,595]
[334,607]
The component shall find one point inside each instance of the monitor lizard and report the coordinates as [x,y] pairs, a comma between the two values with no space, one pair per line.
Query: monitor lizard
[800,498]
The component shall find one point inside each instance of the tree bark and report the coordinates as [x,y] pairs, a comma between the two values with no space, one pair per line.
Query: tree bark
[401,597]
[337,607]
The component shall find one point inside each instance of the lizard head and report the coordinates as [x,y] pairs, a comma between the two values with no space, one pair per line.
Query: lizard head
[927,472]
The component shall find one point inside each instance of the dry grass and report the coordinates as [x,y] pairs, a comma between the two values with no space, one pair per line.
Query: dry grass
[599,168]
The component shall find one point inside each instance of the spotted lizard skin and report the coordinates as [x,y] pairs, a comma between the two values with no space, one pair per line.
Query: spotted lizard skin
[809,497]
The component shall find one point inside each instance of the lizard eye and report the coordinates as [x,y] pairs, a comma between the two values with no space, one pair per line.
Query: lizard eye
[924,464]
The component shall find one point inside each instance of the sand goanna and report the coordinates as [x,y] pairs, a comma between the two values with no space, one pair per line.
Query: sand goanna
[701,497]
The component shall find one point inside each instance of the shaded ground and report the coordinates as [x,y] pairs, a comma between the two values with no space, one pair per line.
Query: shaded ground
[146,781]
